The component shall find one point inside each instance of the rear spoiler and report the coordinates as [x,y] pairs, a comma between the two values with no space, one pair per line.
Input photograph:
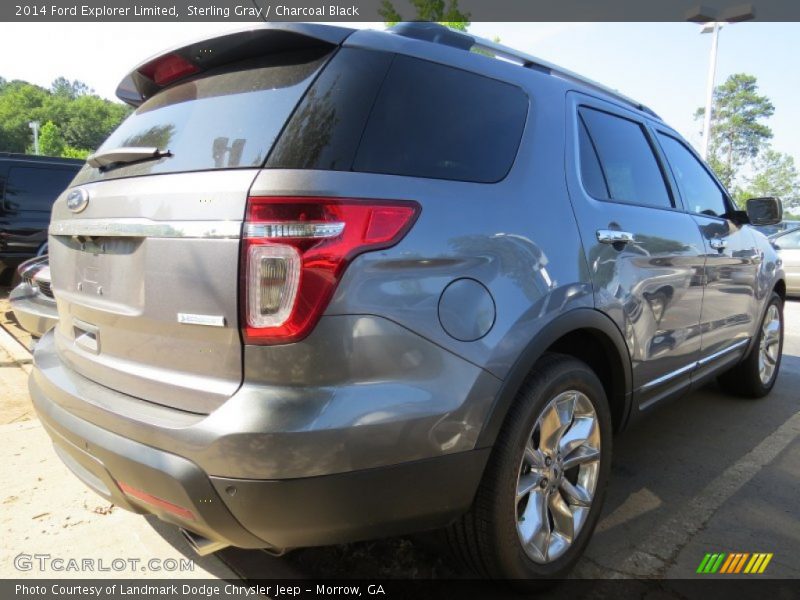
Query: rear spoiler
[159,71]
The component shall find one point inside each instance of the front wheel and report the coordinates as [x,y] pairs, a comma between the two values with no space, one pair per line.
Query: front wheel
[543,488]
[755,376]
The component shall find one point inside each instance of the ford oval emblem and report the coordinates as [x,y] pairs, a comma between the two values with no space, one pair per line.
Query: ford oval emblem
[77,200]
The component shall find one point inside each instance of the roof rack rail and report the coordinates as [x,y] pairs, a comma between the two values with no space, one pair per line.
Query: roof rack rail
[433,32]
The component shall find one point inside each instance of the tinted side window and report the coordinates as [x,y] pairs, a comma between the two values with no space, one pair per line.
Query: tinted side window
[592,174]
[435,121]
[325,130]
[35,188]
[627,161]
[699,191]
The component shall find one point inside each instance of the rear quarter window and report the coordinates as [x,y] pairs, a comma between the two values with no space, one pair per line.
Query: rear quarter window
[371,112]
[435,121]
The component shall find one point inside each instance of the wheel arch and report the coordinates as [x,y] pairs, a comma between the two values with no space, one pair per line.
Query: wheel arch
[780,289]
[586,334]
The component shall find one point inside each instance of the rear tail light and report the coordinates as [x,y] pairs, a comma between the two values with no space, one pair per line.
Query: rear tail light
[295,251]
[168,68]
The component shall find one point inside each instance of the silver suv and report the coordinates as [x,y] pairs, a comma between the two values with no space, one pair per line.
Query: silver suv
[326,285]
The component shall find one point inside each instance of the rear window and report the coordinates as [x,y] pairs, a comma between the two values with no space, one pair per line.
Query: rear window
[371,112]
[223,120]
[366,111]
[35,188]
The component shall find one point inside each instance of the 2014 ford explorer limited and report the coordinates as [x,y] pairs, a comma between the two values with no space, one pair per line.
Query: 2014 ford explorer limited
[326,285]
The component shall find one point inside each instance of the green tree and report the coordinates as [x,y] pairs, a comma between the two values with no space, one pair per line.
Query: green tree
[774,174]
[50,141]
[20,103]
[70,152]
[62,86]
[439,11]
[83,120]
[90,120]
[737,133]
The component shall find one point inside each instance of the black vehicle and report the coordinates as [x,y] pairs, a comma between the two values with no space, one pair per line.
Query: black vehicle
[28,187]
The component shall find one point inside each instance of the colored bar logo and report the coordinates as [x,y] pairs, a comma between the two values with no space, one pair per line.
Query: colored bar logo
[734,563]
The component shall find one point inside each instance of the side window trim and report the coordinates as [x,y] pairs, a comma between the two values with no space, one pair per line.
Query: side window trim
[666,168]
[726,199]
[592,103]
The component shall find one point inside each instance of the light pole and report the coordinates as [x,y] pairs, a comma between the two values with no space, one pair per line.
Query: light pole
[35,126]
[711,24]
[712,28]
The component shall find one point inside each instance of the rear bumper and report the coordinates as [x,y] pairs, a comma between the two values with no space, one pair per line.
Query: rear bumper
[278,514]
[36,313]
[187,469]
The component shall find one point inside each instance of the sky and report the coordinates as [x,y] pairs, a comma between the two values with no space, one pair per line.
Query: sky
[663,65]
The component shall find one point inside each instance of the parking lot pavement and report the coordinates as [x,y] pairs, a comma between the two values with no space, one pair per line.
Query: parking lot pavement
[705,473]
[15,364]
[47,511]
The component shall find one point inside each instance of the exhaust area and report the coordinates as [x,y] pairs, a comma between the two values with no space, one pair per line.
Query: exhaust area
[202,545]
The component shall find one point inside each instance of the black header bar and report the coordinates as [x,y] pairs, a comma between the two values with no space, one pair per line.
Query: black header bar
[375,10]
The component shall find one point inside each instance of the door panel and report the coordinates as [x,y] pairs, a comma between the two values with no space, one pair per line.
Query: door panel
[650,285]
[729,305]
[732,255]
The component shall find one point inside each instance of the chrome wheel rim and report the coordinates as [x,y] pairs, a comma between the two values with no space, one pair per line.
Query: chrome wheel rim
[557,476]
[769,345]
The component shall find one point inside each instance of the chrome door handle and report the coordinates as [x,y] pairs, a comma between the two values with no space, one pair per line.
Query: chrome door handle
[718,244]
[612,236]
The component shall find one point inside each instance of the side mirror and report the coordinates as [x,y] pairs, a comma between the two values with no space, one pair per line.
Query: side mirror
[765,211]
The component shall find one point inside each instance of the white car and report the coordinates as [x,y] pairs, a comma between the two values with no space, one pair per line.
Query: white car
[788,246]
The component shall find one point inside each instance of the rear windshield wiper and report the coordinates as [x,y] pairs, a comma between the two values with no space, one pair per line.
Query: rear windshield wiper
[108,159]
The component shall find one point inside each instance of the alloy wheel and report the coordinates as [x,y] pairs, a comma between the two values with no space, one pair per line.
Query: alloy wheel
[769,345]
[558,476]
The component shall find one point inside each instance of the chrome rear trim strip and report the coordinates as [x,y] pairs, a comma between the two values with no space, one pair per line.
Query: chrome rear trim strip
[668,377]
[146,228]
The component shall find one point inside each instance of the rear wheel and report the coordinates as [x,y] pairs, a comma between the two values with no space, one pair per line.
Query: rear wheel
[543,488]
[755,376]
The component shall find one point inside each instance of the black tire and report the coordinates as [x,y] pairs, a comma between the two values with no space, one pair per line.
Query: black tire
[486,538]
[745,379]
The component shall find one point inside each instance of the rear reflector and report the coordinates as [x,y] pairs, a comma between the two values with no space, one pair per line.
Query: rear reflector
[168,68]
[295,251]
[183,513]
